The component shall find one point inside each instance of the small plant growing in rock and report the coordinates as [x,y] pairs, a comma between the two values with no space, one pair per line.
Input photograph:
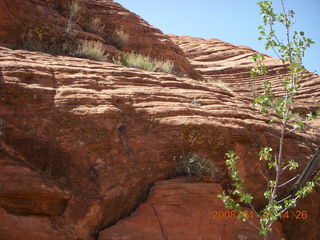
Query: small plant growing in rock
[313,115]
[91,50]
[193,165]
[290,53]
[31,42]
[75,9]
[146,63]
[224,86]
[95,25]
[119,38]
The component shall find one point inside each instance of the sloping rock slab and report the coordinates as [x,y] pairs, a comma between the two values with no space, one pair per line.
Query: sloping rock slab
[178,209]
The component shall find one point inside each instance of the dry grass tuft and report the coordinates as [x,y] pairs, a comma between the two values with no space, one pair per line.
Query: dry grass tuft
[91,50]
[146,63]
[119,38]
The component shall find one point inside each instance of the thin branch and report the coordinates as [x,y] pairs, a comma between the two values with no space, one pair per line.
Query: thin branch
[284,199]
[253,224]
[283,184]
[292,130]
[254,210]
[277,54]
[264,176]
[275,36]
[284,168]
[285,209]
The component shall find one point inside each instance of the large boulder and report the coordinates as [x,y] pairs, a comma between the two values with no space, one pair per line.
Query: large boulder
[182,209]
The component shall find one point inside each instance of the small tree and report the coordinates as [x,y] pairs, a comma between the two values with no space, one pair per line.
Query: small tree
[290,52]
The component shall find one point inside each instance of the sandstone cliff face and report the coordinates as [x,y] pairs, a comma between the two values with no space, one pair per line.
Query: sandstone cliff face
[218,61]
[105,133]
[84,141]
[47,20]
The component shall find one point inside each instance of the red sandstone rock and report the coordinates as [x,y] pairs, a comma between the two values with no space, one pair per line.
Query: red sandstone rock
[177,209]
[109,131]
[92,137]
[48,19]
[36,228]
[25,191]
[218,61]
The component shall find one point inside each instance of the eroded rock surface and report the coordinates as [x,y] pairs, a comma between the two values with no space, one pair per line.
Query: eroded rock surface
[107,132]
[32,227]
[47,20]
[178,209]
[218,61]
[83,141]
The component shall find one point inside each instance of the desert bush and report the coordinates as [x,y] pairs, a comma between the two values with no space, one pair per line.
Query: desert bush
[119,38]
[41,39]
[145,63]
[95,25]
[91,50]
[74,9]
[32,45]
[193,165]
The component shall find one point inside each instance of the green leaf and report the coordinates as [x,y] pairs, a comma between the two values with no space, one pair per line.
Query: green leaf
[271,164]
[246,198]
[298,125]
[272,183]
[265,154]
[267,194]
[293,165]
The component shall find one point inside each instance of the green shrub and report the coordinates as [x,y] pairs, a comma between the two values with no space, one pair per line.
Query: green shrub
[91,50]
[146,63]
[119,38]
[193,165]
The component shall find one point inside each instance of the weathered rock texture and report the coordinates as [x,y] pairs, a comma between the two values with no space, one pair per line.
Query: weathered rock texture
[218,61]
[178,209]
[26,191]
[105,133]
[84,141]
[46,21]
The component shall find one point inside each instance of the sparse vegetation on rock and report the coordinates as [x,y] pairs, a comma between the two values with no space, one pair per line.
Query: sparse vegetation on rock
[86,141]
[146,63]
[92,50]
[194,165]
[75,9]
[95,25]
[119,38]
[224,86]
